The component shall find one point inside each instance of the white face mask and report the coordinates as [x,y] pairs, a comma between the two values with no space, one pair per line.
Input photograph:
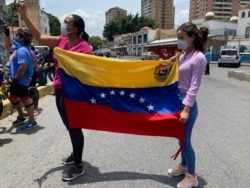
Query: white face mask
[63,29]
[182,44]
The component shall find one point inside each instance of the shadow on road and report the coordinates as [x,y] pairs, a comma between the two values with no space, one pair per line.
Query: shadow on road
[93,175]
[5,141]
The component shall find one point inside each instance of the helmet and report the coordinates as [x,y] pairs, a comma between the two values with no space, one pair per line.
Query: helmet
[25,34]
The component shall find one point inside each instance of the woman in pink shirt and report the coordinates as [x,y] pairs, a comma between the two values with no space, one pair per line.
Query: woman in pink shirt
[73,38]
[192,64]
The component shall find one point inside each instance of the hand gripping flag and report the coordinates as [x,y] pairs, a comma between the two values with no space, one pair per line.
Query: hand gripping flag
[122,96]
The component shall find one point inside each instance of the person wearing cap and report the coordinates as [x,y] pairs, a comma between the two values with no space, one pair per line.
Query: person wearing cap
[21,70]
[73,38]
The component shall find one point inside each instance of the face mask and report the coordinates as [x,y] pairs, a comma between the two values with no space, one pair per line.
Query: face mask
[182,44]
[64,31]
[17,43]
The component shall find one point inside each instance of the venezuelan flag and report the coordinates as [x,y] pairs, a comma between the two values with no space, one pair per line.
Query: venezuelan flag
[123,96]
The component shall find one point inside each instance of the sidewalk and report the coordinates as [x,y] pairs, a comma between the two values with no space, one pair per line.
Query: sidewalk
[236,74]
[239,75]
[43,91]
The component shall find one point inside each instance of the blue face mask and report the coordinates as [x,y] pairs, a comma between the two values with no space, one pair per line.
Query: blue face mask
[63,29]
[17,43]
[182,44]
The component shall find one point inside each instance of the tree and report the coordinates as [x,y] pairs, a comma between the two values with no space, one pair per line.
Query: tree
[12,17]
[95,42]
[126,24]
[54,25]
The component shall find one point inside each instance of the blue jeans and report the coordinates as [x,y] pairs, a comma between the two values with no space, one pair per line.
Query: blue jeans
[187,153]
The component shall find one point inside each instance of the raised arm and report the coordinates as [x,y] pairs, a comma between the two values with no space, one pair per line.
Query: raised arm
[7,40]
[51,41]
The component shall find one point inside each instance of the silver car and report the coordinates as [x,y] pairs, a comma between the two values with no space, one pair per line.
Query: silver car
[229,57]
[150,56]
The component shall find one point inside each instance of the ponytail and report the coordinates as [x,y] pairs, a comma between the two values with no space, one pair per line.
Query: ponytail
[79,23]
[84,36]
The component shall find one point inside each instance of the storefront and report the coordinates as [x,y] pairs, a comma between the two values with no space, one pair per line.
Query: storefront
[168,46]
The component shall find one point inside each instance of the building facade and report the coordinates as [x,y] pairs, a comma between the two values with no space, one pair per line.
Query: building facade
[45,29]
[3,14]
[39,17]
[114,13]
[223,9]
[161,11]
[242,36]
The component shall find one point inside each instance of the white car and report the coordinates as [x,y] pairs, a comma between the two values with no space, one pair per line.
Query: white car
[229,57]
[150,56]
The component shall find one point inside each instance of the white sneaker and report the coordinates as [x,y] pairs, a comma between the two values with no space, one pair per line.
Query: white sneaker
[189,181]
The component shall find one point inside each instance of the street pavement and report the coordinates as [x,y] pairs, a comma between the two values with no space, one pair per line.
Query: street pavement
[32,158]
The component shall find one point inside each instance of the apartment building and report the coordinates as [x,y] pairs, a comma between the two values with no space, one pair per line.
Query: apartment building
[162,11]
[222,9]
[114,13]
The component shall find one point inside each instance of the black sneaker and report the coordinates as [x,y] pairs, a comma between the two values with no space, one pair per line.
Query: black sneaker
[72,173]
[18,121]
[69,160]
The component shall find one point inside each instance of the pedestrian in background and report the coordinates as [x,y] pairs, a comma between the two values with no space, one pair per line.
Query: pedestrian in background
[35,75]
[21,70]
[73,38]
[208,56]
[192,64]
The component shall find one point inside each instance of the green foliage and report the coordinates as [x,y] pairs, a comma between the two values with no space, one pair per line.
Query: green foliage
[126,24]
[54,25]
[95,42]
[12,17]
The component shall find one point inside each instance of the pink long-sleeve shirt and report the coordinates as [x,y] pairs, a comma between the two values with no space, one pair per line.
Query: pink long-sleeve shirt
[191,70]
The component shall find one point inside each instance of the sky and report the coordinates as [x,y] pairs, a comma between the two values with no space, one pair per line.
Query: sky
[93,11]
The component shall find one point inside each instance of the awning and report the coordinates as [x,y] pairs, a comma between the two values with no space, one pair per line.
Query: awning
[163,42]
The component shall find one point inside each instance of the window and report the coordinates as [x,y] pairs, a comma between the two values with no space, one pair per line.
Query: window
[247,32]
[145,38]
[139,39]
[229,52]
[243,15]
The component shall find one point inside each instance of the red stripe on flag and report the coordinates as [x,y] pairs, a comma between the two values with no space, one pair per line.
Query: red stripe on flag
[104,118]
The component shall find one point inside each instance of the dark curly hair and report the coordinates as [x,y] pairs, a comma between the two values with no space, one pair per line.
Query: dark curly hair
[25,34]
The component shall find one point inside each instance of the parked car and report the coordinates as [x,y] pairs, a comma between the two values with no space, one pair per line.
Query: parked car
[99,53]
[150,56]
[229,57]
[40,49]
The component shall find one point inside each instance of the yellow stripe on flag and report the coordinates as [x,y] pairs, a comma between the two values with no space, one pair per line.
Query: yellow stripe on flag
[110,72]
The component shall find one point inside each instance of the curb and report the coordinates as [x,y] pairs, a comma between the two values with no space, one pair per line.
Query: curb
[239,75]
[43,91]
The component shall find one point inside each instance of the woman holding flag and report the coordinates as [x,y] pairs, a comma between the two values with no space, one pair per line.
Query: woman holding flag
[73,38]
[192,64]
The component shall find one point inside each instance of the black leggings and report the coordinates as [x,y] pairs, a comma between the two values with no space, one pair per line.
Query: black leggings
[76,135]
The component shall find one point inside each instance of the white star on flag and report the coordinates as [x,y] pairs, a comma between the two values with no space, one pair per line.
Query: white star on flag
[93,101]
[150,107]
[112,92]
[122,93]
[103,95]
[132,95]
[142,100]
